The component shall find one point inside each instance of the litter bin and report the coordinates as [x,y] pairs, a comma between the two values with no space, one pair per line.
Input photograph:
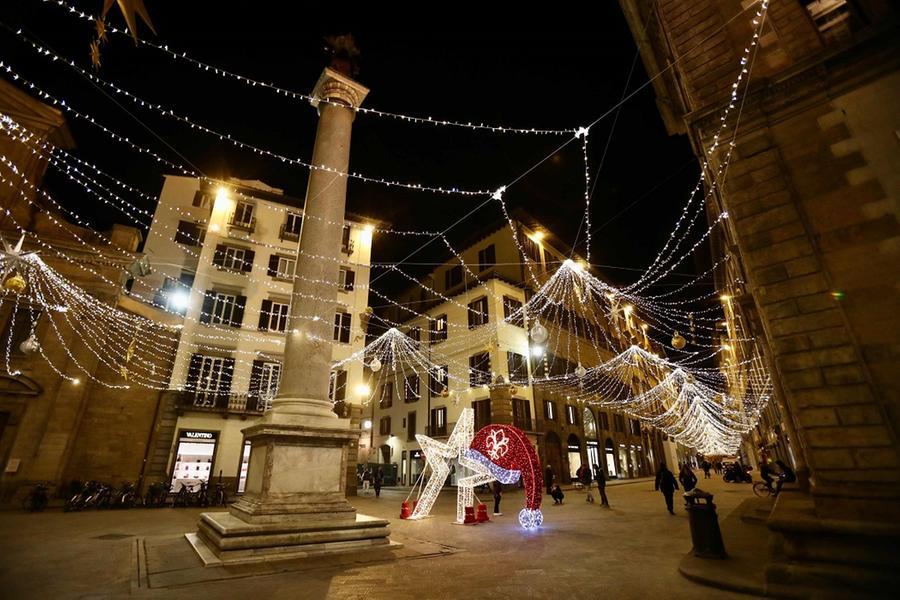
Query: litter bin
[705,532]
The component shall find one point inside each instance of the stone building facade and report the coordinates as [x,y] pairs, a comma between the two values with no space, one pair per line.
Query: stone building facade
[53,430]
[498,375]
[813,195]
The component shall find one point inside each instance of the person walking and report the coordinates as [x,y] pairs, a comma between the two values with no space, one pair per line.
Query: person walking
[497,488]
[687,478]
[584,476]
[601,485]
[548,479]
[705,466]
[665,483]
[379,479]
[367,480]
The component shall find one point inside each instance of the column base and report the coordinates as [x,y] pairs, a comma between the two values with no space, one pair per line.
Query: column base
[223,538]
[294,504]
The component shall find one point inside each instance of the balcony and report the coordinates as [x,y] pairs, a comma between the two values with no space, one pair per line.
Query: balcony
[287,234]
[348,247]
[242,225]
[225,404]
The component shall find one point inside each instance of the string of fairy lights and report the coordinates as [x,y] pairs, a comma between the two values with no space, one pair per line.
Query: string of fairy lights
[593,343]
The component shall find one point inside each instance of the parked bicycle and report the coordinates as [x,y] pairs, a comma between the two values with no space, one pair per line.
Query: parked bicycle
[157,495]
[763,489]
[37,498]
[192,497]
[125,497]
[86,497]
[220,498]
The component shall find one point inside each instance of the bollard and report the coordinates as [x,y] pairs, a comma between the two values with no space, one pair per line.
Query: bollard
[705,533]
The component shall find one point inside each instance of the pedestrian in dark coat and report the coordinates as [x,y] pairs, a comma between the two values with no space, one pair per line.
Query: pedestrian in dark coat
[584,476]
[379,479]
[687,478]
[601,485]
[497,488]
[706,467]
[548,479]
[665,483]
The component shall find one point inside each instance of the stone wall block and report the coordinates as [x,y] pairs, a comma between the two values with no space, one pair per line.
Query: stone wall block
[833,396]
[818,417]
[862,436]
[844,374]
[859,414]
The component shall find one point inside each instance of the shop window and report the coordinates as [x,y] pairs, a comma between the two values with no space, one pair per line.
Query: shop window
[194,456]
[245,466]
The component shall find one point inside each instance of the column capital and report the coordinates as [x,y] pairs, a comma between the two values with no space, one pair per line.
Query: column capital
[337,87]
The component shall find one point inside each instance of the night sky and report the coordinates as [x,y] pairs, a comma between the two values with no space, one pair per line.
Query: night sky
[533,77]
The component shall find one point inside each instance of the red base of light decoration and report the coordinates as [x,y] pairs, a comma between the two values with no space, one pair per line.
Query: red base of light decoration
[404,510]
[470,516]
[482,516]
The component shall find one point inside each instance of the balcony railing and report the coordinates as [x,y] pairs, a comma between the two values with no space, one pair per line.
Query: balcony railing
[248,226]
[239,404]
[348,247]
[287,234]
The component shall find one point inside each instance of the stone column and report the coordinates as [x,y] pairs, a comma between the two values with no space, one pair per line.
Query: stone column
[295,501]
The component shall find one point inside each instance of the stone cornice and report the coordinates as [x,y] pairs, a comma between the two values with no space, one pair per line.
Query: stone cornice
[337,87]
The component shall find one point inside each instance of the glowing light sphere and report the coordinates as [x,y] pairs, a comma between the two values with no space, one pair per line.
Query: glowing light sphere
[375,365]
[678,341]
[580,371]
[28,346]
[539,333]
[15,284]
[531,518]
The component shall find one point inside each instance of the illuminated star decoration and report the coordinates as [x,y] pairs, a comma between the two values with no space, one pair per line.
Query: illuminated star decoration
[95,55]
[438,455]
[129,8]
[12,256]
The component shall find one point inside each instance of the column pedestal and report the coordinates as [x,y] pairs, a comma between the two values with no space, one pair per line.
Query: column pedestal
[294,505]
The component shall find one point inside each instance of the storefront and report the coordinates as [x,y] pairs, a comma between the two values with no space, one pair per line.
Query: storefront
[573,445]
[610,452]
[194,457]
[245,465]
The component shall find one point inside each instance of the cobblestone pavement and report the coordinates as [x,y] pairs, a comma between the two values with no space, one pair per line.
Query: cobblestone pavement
[583,551]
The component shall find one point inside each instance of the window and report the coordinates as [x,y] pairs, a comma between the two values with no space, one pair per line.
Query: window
[387,395]
[264,379]
[438,421]
[411,427]
[521,414]
[223,308]
[550,410]
[482,410]
[233,258]
[437,381]
[487,258]
[190,233]
[635,427]
[20,328]
[415,333]
[512,312]
[619,423]
[411,388]
[342,327]
[478,312]
[439,329]
[202,200]
[243,215]
[453,277]
[346,278]
[292,225]
[604,421]
[346,242]
[209,378]
[571,415]
[480,369]
[281,267]
[384,426]
[531,249]
[337,385]
[273,316]
[518,369]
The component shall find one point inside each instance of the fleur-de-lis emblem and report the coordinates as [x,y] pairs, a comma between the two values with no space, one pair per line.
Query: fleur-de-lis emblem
[497,444]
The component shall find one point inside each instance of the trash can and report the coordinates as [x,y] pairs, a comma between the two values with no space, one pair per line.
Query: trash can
[705,532]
